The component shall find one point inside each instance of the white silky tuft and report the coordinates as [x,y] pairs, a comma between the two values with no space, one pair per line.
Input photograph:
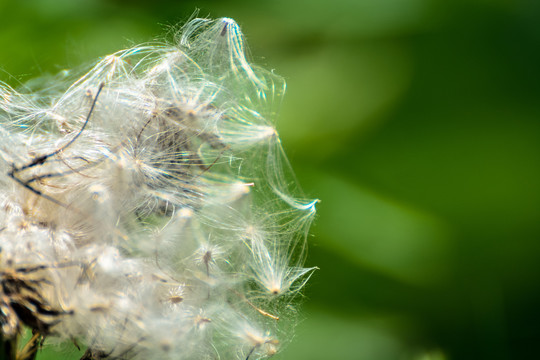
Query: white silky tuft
[148,211]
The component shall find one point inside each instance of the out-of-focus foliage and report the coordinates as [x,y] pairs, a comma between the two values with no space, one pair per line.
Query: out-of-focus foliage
[416,122]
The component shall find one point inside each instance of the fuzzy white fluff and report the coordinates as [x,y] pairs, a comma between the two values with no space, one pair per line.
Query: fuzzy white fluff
[149,207]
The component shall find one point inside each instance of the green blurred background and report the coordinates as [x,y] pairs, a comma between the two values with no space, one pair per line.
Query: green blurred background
[416,122]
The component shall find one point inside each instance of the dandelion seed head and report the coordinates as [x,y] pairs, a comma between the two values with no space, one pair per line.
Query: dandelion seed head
[147,208]
[175,296]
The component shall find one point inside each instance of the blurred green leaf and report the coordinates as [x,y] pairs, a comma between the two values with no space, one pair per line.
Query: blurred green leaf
[391,237]
[341,338]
